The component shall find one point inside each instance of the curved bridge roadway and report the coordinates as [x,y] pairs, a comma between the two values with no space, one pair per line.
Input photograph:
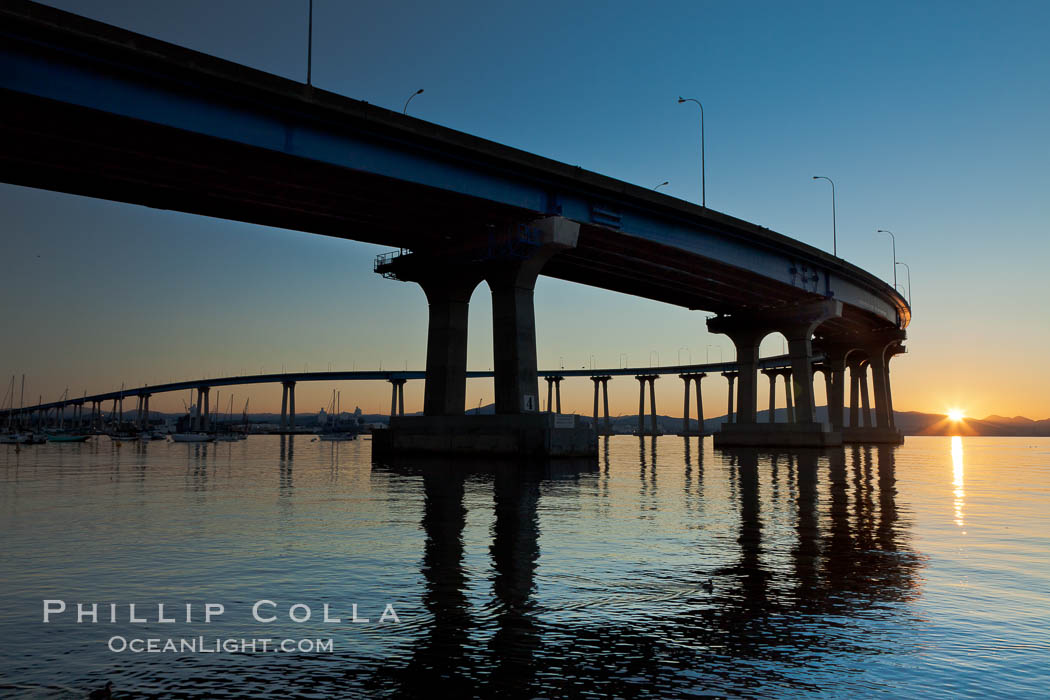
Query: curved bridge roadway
[95,110]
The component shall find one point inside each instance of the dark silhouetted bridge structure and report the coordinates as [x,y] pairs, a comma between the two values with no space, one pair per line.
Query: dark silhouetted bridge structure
[94,110]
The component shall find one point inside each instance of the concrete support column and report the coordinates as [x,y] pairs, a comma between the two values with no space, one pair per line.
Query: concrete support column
[550,392]
[864,403]
[145,411]
[800,349]
[699,404]
[291,406]
[772,376]
[514,343]
[837,392]
[652,402]
[828,388]
[854,394]
[557,393]
[448,297]
[284,406]
[513,316]
[685,410]
[605,399]
[731,377]
[889,395]
[746,343]
[397,396]
[788,393]
[641,405]
[597,381]
[880,381]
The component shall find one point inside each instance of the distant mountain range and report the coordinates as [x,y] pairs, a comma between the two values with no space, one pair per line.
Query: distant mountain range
[911,422]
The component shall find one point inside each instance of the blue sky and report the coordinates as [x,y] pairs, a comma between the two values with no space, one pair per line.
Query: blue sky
[932,118]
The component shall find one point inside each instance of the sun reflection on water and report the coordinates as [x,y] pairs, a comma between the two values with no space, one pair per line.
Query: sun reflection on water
[957,480]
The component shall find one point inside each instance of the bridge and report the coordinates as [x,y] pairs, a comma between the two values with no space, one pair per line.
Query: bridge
[94,110]
[41,414]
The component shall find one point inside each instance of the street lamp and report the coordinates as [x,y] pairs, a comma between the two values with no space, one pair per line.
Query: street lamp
[310,44]
[665,182]
[417,92]
[703,175]
[834,233]
[894,239]
[909,278]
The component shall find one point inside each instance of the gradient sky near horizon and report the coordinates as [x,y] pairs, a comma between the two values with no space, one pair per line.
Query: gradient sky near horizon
[933,119]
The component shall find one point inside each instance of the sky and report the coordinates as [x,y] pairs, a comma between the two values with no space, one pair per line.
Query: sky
[933,119]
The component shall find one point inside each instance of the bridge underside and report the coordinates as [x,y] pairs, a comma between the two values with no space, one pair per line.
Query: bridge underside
[97,111]
[66,148]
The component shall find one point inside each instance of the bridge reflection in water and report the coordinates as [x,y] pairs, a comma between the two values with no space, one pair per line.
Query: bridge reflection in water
[664,567]
[769,612]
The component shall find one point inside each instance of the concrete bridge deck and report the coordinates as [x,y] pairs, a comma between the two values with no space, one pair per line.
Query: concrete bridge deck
[94,110]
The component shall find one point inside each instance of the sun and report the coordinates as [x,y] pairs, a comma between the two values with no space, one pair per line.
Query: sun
[955,415]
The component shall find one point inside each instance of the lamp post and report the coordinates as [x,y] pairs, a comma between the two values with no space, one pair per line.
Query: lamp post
[908,269]
[310,43]
[665,182]
[417,92]
[703,175]
[834,233]
[894,239]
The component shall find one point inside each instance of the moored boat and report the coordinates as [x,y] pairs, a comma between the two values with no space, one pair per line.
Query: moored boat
[192,437]
[67,437]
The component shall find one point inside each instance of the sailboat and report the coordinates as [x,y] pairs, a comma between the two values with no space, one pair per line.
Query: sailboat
[334,432]
[227,435]
[61,435]
[193,417]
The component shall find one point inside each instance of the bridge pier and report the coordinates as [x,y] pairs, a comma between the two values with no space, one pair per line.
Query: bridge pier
[798,325]
[651,380]
[603,381]
[686,378]
[731,378]
[397,396]
[554,386]
[771,375]
[509,260]
[877,351]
